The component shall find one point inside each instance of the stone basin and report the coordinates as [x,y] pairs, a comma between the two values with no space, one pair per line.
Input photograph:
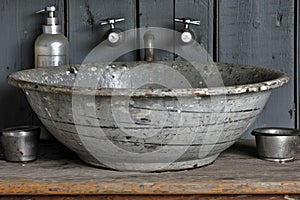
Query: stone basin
[141,116]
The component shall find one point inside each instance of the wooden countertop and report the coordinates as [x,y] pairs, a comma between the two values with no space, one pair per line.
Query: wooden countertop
[58,171]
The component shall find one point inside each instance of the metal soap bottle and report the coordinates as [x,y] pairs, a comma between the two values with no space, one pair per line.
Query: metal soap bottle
[51,48]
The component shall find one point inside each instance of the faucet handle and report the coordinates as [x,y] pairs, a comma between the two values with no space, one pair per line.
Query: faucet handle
[187,35]
[188,21]
[111,21]
[115,36]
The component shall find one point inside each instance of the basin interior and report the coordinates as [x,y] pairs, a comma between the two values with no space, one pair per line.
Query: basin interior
[115,75]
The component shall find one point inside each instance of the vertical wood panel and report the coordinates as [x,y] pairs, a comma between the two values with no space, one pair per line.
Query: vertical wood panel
[297,55]
[19,28]
[157,14]
[201,10]
[257,32]
[85,33]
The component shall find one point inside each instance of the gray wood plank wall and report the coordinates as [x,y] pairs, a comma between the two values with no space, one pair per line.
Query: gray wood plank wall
[261,33]
[197,9]
[19,28]
[149,16]
[84,30]
[254,32]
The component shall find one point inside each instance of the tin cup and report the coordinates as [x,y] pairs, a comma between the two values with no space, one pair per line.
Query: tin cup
[276,144]
[20,144]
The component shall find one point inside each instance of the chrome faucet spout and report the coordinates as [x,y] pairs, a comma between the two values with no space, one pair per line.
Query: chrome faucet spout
[149,46]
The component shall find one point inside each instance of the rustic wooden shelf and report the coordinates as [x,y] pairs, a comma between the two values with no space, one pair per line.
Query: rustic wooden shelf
[57,171]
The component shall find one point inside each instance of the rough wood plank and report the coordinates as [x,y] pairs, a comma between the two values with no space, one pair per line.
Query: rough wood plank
[19,29]
[85,33]
[201,10]
[297,71]
[236,171]
[157,14]
[260,33]
[155,197]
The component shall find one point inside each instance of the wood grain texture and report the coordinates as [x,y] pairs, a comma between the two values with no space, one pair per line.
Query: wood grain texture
[19,28]
[297,71]
[85,32]
[157,14]
[236,171]
[155,197]
[260,33]
[250,32]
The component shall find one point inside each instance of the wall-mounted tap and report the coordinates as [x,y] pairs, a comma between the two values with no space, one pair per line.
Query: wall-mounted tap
[187,35]
[115,35]
[149,46]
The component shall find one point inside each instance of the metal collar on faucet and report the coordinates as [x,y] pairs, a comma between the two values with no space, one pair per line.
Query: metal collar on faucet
[115,35]
[187,35]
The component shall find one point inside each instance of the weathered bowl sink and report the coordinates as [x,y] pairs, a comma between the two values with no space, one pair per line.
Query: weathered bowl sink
[140,116]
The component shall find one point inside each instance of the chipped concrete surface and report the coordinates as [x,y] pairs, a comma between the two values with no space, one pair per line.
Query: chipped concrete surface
[195,123]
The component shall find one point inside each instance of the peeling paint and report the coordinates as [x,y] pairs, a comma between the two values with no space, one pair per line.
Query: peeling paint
[235,84]
[222,112]
[256,23]
[91,19]
[291,113]
[279,17]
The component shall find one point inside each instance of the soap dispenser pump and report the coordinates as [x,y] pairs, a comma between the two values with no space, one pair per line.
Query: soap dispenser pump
[51,48]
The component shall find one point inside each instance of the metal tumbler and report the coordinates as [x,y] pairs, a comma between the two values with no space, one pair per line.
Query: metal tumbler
[20,144]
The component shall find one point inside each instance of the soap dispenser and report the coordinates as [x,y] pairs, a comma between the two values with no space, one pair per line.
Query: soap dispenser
[51,48]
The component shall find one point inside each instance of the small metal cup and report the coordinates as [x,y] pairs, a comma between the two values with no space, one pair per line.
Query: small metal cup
[276,144]
[20,144]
